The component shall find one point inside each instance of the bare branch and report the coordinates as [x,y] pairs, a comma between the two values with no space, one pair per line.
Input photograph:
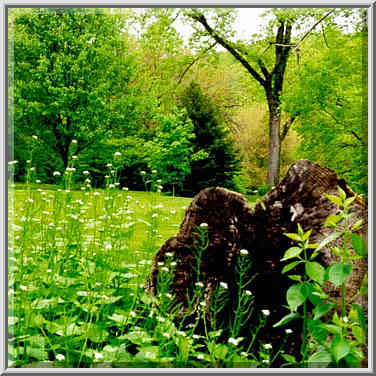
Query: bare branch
[286,127]
[199,17]
[310,30]
[195,60]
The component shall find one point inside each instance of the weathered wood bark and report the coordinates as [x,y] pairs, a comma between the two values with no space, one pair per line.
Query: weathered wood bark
[233,226]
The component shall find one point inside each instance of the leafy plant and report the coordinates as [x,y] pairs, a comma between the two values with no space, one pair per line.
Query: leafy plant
[328,336]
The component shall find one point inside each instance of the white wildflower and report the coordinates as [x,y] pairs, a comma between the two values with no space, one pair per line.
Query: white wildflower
[96,193]
[345,319]
[38,181]
[161,319]
[243,252]
[56,173]
[32,168]
[235,341]
[117,153]
[203,304]
[153,171]
[142,172]
[164,268]
[265,361]
[199,284]
[243,353]
[181,333]
[74,156]
[224,285]
[30,200]
[288,331]
[35,137]
[173,263]
[268,346]
[196,336]
[166,335]
[108,246]
[169,254]
[132,314]
[160,263]
[109,165]
[203,224]
[200,356]
[266,312]
[60,357]
[98,356]
[247,292]
[23,288]
[12,163]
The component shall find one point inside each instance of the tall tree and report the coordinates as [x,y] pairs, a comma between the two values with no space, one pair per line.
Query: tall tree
[268,71]
[215,161]
[72,78]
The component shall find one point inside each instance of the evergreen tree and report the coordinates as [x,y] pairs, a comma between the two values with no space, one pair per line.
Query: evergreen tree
[216,162]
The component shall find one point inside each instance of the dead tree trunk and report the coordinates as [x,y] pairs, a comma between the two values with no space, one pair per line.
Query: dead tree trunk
[233,226]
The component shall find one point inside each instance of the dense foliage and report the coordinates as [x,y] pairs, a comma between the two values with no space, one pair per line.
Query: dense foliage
[122,81]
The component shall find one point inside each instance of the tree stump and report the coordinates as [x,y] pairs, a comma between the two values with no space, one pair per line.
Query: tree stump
[233,226]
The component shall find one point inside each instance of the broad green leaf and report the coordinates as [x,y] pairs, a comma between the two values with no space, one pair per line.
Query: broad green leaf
[360,315]
[220,350]
[37,353]
[306,235]
[358,244]
[286,319]
[315,271]
[295,296]
[118,318]
[339,272]
[357,224]
[352,360]
[147,353]
[342,193]
[339,348]
[349,201]
[289,358]
[290,266]
[328,239]
[36,341]
[319,359]
[291,253]
[293,236]
[335,329]
[335,199]
[332,220]
[322,310]
[295,277]
[97,334]
[358,334]
[138,337]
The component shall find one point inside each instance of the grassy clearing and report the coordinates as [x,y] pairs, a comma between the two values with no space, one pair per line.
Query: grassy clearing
[78,261]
